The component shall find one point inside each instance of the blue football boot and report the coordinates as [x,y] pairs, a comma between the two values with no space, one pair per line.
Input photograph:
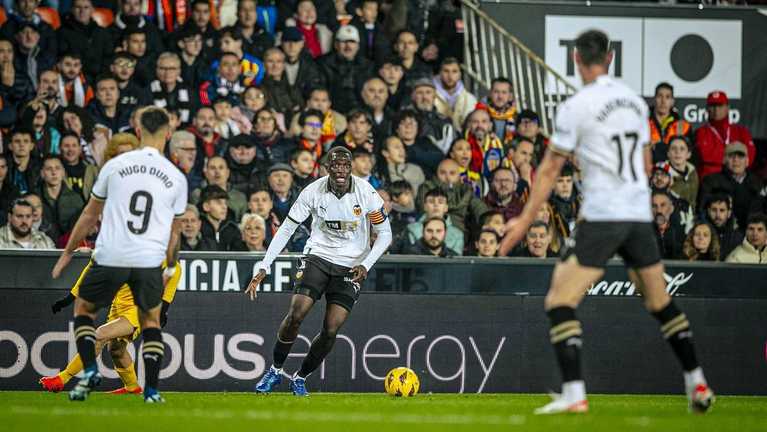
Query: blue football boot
[298,386]
[152,396]
[271,379]
[84,387]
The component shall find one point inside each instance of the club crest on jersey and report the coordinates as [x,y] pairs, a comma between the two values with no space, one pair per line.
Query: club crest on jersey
[357,210]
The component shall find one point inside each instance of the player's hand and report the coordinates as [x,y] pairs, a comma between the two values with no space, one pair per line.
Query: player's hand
[515,230]
[61,264]
[254,283]
[359,273]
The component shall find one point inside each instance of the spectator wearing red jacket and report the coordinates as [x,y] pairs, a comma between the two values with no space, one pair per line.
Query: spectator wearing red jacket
[712,138]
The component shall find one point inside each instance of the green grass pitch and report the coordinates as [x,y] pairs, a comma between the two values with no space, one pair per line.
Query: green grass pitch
[344,412]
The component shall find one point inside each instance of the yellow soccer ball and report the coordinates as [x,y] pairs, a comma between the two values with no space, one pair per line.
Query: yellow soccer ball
[402,381]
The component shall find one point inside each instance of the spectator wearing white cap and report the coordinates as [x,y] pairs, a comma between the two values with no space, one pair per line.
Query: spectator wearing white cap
[345,70]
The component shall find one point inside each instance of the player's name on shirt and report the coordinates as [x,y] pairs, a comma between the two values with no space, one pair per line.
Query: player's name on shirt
[615,104]
[143,169]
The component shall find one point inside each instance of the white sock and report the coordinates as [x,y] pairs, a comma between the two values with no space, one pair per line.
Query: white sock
[693,378]
[276,369]
[574,391]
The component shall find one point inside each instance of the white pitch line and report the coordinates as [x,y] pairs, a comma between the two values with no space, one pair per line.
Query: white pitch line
[294,416]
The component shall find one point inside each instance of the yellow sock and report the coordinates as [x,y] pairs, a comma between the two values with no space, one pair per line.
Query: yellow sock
[74,367]
[128,376]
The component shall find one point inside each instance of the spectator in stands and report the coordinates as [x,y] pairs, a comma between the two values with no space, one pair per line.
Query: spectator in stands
[503,195]
[280,179]
[333,122]
[432,242]
[670,236]
[318,37]
[130,17]
[23,166]
[251,67]
[32,57]
[79,32]
[719,214]
[460,152]
[209,142]
[253,228]
[419,149]
[25,15]
[310,139]
[392,72]
[216,227]
[40,221]
[304,167]
[665,122]
[374,45]
[77,120]
[737,181]
[16,87]
[435,206]
[494,220]
[684,176]
[80,175]
[194,64]
[359,132]
[487,244]
[227,125]
[119,144]
[374,97]
[326,11]
[18,232]
[8,192]
[453,100]
[282,96]
[486,148]
[227,81]
[403,210]
[246,171]
[169,91]
[62,205]
[46,138]
[301,70]
[520,159]
[191,237]
[701,244]
[546,215]
[183,153]
[529,126]
[537,242]
[394,165]
[134,42]
[345,69]
[363,163]
[271,146]
[661,180]
[464,207]
[75,89]
[105,109]
[260,203]
[565,202]
[406,46]
[132,94]
[47,85]
[500,105]
[753,250]
[201,22]
[217,173]
[432,125]
[712,138]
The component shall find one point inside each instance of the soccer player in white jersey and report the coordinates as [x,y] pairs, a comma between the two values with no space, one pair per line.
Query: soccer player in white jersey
[343,208]
[604,126]
[139,195]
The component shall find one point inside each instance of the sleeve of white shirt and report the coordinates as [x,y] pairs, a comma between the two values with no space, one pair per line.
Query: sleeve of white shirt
[644,126]
[302,208]
[380,221]
[179,206]
[565,137]
[101,186]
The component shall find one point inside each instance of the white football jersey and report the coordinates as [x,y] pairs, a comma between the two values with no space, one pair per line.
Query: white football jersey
[605,126]
[340,227]
[143,191]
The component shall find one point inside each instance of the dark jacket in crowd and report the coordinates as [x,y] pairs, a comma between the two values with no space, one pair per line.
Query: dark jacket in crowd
[258,43]
[27,180]
[203,244]
[745,195]
[227,238]
[463,206]
[8,193]
[282,97]
[670,241]
[61,213]
[48,41]
[134,96]
[274,150]
[93,42]
[509,210]
[245,178]
[154,39]
[345,79]
[309,75]
[729,237]
[420,248]
[119,123]
[425,154]
[374,45]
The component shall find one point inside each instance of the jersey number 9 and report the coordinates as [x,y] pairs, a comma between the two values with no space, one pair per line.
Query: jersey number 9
[141,206]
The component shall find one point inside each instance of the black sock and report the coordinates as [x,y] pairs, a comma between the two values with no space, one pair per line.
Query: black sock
[281,351]
[565,336]
[154,350]
[321,346]
[85,339]
[676,329]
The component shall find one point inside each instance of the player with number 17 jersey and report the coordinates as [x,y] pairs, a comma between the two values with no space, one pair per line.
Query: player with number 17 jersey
[605,126]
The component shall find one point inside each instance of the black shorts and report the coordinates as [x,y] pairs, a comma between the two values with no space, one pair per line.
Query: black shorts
[101,283]
[316,276]
[596,242]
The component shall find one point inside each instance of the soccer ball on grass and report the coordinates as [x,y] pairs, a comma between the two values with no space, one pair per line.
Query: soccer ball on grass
[402,382]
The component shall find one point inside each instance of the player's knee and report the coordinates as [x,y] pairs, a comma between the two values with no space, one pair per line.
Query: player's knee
[116,349]
[330,332]
[295,318]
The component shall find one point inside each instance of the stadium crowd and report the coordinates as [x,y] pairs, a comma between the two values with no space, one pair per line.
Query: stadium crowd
[258,92]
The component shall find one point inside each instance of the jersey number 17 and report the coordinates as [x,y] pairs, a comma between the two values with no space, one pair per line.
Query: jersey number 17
[628,141]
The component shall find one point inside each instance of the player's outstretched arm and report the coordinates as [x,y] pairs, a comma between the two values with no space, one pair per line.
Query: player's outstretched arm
[88,218]
[545,178]
[382,242]
[281,238]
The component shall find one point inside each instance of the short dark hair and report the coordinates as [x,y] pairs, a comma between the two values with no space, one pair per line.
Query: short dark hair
[153,119]
[719,197]
[104,77]
[403,31]
[297,152]
[309,113]
[484,217]
[663,192]
[664,85]
[490,231]
[432,219]
[212,192]
[230,31]
[539,224]
[227,53]
[259,189]
[683,139]
[356,112]
[200,2]
[398,187]
[48,157]
[435,193]
[405,114]
[567,170]
[124,55]
[19,202]
[449,61]
[20,130]
[501,80]
[71,54]
[757,218]
[131,30]
[592,47]
[361,152]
